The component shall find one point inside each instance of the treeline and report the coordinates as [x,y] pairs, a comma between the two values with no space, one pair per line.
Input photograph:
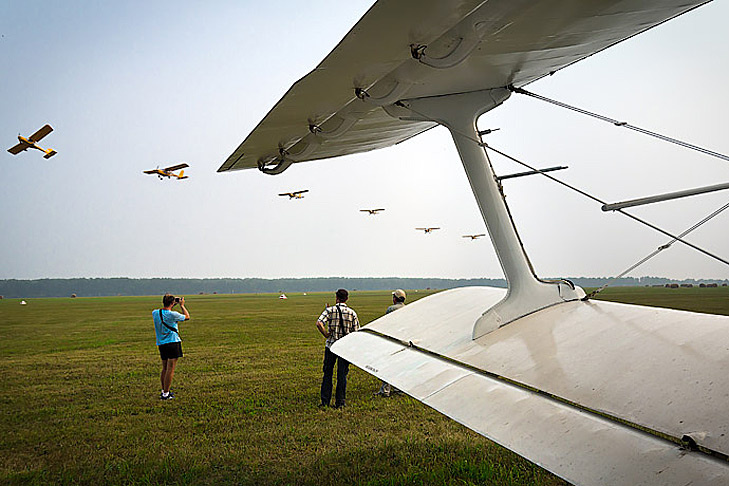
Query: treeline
[102,287]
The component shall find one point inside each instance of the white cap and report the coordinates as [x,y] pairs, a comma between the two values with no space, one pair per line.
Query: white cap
[400,294]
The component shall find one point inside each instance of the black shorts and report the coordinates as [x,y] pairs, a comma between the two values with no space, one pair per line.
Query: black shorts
[170,350]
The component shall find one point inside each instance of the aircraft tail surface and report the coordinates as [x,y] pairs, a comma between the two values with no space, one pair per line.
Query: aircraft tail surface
[49,153]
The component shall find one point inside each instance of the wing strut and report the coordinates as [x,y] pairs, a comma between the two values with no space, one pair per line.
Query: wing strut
[663,197]
[527,293]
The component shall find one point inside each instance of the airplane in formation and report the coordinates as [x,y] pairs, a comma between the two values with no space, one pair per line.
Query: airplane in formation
[295,195]
[169,172]
[32,142]
[474,237]
[427,230]
[371,211]
[598,393]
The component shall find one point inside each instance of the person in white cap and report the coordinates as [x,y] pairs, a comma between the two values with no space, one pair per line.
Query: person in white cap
[398,301]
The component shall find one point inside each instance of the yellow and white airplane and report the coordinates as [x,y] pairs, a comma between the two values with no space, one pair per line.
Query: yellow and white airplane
[427,230]
[371,211]
[295,195]
[32,142]
[474,237]
[169,172]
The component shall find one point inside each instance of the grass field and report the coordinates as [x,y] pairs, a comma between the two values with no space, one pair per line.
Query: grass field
[80,385]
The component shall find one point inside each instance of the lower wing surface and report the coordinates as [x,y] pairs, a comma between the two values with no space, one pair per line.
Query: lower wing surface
[596,392]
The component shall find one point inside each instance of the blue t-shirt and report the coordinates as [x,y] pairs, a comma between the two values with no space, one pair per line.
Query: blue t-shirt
[164,335]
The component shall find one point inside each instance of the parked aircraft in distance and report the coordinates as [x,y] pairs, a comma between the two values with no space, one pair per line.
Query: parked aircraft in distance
[295,195]
[32,142]
[169,172]
[474,237]
[427,230]
[371,211]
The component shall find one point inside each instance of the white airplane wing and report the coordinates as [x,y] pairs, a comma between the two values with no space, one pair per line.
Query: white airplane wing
[596,392]
[501,42]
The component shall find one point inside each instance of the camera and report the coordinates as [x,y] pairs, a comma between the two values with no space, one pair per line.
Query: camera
[177,300]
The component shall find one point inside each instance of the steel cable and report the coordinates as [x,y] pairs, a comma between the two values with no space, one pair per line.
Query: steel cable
[486,146]
[618,123]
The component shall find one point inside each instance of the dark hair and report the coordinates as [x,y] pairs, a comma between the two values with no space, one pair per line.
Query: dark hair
[168,300]
[398,299]
[342,295]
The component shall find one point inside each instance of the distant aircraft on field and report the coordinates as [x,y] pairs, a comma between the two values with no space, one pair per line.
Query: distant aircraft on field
[169,172]
[295,195]
[371,211]
[427,230]
[474,237]
[32,142]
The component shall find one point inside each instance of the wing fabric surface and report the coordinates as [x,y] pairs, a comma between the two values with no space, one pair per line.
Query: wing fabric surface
[175,167]
[37,136]
[507,42]
[596,392]
[16,149]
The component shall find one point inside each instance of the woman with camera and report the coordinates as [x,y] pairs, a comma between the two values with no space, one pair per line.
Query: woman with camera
[168,339]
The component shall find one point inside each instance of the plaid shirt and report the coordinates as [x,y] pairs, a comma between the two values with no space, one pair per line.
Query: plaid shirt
[330,319]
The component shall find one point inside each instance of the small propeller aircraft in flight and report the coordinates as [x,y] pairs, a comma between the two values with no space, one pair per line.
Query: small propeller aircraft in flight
[371,211]
[427,230]
[295,195]
[169,172]
[474,237]
[32,142]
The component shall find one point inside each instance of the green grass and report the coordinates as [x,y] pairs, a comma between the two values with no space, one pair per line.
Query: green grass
[709,300]
[80,384]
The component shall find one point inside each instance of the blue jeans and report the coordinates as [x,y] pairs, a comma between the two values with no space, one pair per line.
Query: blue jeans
[326,383]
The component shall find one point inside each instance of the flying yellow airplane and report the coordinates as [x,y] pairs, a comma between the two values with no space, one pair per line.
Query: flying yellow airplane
[169,172]
[31,142]
[427,230]
[474,237]
[295,195]
[371,211]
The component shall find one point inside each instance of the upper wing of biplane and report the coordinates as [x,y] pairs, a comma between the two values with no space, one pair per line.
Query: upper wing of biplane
[398,50]
[175,167]
[37,136]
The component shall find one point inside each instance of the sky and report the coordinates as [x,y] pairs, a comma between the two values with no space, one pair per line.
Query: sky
[131,86]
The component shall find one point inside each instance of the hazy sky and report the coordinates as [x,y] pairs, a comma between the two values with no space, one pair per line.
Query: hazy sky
[130,86]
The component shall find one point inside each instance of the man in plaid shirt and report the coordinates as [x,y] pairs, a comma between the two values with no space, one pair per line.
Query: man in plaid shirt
[334,323]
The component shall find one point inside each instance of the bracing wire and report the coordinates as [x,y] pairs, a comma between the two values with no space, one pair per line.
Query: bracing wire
[487,147]
[655,252]
[621,211]
[618,123]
